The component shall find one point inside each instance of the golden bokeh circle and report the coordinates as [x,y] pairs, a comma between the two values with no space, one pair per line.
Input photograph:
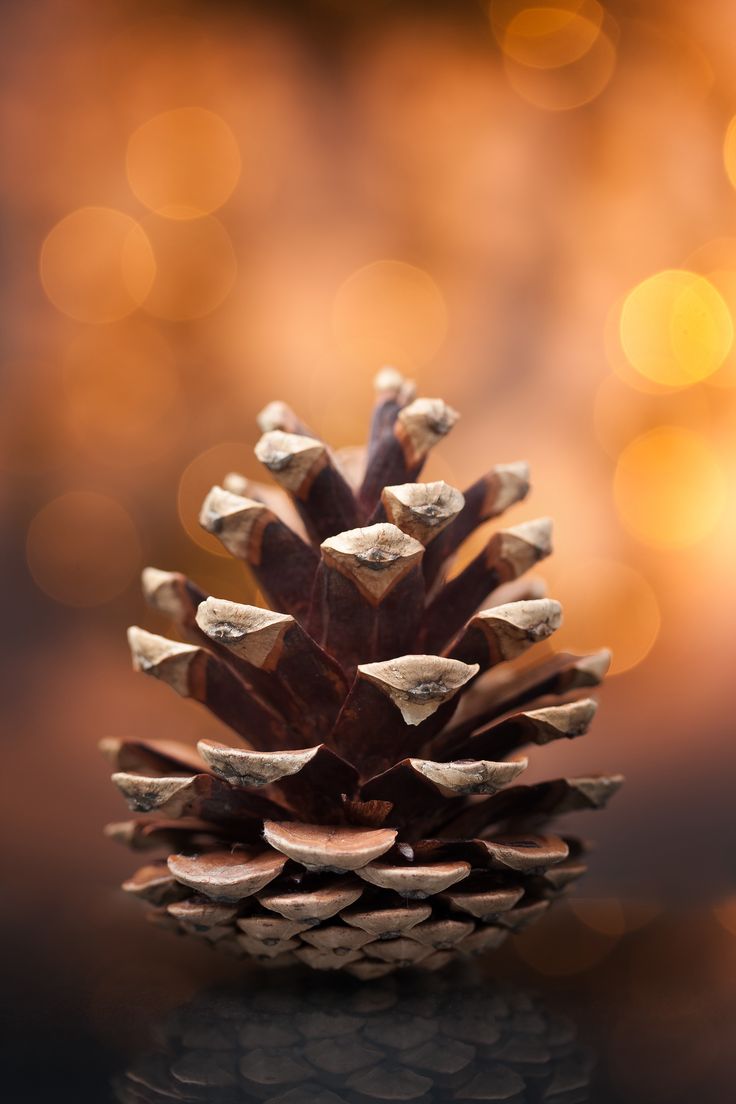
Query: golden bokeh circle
[121,391]
[389,312]
[606,604]
[195,267]
[183,163]
[729,151]
[82,549]
[502,12]
[97,265]
[669,487]
[724,281]
[618,360]
[548,36]
[675,328]
[566,87]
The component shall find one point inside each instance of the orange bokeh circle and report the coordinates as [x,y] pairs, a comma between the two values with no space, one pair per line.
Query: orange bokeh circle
[195,267]
[389,312]
[97,265]
[83,549]
[606,604]
[669,487]
[183,163]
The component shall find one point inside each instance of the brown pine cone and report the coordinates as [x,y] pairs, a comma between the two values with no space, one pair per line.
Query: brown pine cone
[369,816]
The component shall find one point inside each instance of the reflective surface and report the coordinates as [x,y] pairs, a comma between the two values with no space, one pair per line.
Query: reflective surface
[328,1041]
[580,1009]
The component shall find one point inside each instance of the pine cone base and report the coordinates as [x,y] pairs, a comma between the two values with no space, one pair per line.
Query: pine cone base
[334,922]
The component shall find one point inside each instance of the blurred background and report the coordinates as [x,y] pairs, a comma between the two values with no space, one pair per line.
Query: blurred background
[528,209]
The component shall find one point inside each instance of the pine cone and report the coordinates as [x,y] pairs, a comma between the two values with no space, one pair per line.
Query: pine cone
[370,818]
[336,1045]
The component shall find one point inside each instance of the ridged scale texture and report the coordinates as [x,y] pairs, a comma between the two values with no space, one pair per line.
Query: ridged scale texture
[364,811]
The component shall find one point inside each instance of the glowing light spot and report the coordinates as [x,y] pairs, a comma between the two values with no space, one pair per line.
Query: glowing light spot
[617,359]
[206,470]
[606,604]
[729,151]
[97,265]
[675,328]
[716,260]
[389,313]
[724,280]
[83,549]
[502,12]
[121,390]
[546,37]
[669,487]
[725,914]
[565,87]
[183,163]
[195,267]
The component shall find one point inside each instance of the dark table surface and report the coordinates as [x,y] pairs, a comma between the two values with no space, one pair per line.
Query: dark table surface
[603,1001]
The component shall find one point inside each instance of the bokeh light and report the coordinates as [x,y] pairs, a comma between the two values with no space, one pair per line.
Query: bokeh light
[183,163]
[729,151]
[83,548]
[97,265]
[716,260]
[669,487]
[546,36]
[121,390]
[195,267]
[389,312]
[606,604]
[725,913]
[560,86]
[675,328]
[619,362]
[724,281]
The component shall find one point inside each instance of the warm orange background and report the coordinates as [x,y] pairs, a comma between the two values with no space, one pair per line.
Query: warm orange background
[532,213]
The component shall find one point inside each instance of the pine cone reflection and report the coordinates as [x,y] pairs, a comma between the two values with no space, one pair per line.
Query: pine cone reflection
[333,1042]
